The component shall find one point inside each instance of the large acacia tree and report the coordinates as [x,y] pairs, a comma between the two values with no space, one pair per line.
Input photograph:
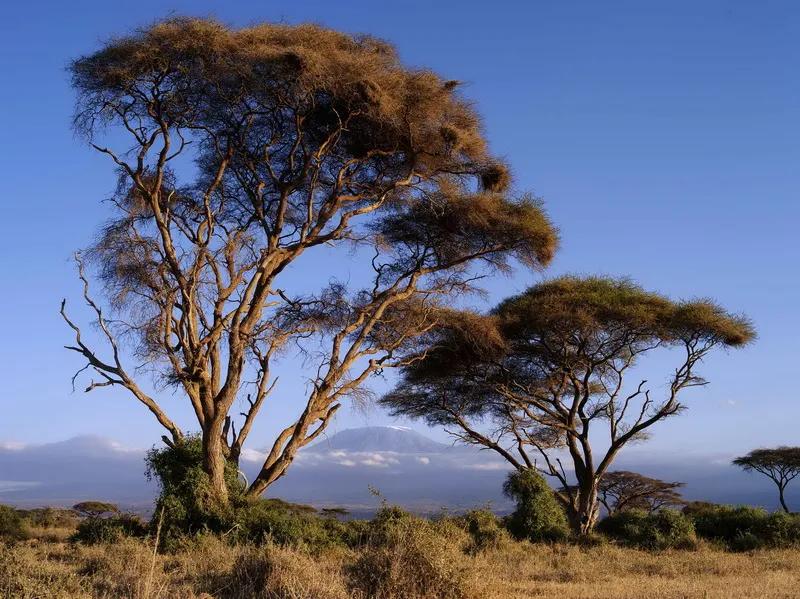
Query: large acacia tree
[239,151]
[544,375]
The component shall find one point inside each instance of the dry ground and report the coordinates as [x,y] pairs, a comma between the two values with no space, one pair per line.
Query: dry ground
[51,568]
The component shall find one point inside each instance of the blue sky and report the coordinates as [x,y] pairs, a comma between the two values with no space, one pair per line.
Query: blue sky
[663,136]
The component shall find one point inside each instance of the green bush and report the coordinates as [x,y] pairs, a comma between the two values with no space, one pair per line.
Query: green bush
[185,504]
[538,516]
[288,524]
[12,526]
[745,528]
[664,529]
[485,530]
[93,531]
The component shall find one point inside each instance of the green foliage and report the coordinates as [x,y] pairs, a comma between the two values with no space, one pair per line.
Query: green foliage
[291,525]
[93,531]
[485,529]
[12,526]
[185,508]
[538,516]
[186,504]
[665,529]
[744,528]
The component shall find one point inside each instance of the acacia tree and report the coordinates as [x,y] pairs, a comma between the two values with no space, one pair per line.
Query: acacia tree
[781,465]
[622,490]
[548,367]
[301,138]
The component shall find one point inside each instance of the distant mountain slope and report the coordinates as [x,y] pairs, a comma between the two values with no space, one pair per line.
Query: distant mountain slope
[408,469]
[379,438]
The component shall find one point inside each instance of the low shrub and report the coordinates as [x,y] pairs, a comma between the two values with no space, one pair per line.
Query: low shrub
[745,528]
[291,525]
[485,530]
[538,516]
[407,557]
[50,517]
[280,573]
[93,531]
[664,529]
[12,526]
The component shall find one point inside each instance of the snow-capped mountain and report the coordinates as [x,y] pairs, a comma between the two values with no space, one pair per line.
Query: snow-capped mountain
[399,439]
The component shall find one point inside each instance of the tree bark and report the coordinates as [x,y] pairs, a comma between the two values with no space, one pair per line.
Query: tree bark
[584,514]
[214,464]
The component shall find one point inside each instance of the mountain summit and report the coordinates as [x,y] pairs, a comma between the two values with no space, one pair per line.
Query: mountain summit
[398,439]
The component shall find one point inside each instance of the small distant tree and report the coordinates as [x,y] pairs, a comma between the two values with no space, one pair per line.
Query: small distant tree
[548,367]
[95,509]
[240,153]
[781,465]
[622,490]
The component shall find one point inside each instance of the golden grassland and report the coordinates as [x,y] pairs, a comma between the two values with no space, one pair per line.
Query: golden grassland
[47,566]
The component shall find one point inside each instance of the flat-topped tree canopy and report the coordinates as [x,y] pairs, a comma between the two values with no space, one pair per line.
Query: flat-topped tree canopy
[260,80]
[579,309]
[601,317]
[252,147]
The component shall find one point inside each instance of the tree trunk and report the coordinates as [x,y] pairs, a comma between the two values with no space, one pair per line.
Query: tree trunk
[783,501]
[214,464]
[584,514]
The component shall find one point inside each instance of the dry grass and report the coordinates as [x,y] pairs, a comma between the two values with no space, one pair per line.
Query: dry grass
[210,569]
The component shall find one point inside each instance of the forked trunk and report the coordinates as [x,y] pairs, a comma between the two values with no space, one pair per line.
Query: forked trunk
[585,511]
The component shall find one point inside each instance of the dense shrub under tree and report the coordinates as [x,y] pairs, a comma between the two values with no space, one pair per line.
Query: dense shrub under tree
[538,515]
[185,504]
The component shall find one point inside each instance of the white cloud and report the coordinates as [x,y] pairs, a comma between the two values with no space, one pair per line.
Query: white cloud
[12,445]
[379,460]
[7,486]
[487,466]
[424,460]
[252,455]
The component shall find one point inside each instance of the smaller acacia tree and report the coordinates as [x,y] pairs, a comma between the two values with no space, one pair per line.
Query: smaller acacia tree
[622,490]
[95,509]
[549,366]
[781,465]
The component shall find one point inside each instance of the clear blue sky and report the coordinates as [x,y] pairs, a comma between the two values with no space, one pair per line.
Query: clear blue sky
[663,136]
